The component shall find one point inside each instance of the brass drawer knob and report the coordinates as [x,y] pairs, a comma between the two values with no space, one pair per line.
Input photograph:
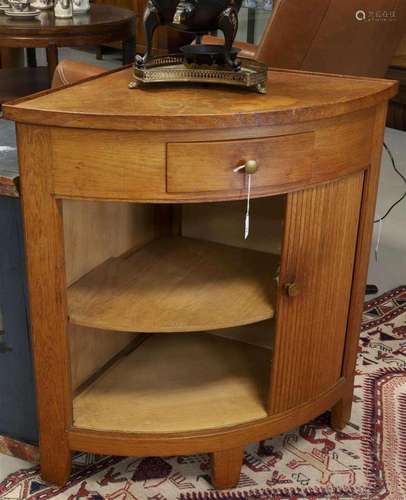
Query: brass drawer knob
[292,289]
[250,167]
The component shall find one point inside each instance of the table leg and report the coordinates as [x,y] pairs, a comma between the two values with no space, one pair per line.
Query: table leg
[52,58]
[341,412]
[226,468]
[128,51]
[31,57]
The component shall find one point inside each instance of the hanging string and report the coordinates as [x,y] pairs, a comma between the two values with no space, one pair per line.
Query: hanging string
[247,213]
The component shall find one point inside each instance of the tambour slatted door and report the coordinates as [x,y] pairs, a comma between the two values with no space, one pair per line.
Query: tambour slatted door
[318,258]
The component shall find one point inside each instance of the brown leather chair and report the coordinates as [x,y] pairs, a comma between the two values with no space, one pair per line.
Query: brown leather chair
[325,36]
[68,72]
[313,35]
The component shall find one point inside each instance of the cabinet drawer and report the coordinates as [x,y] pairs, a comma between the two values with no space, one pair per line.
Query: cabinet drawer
[285,163]
[206,167]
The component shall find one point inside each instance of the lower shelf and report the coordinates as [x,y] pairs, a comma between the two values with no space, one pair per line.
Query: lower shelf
[178,383]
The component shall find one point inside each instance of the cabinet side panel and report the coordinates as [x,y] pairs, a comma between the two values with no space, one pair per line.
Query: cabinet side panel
[91,349]
[362,254]
[94,232]
[318,255]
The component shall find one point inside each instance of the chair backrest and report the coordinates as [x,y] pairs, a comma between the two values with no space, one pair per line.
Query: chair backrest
[68,72]
[334,36]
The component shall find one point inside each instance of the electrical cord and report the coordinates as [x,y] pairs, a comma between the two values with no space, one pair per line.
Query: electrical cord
[403,179]
[373,289]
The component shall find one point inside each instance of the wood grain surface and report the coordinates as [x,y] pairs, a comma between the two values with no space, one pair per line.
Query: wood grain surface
[43,227]
[342,412]
[91,236]
[173,167]
[200,382]
[318,256]
[107,103]
[187,443]
[176,285]
[181,284]
[227,467]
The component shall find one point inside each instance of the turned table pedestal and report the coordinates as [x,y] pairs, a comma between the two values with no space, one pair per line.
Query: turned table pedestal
[157,329]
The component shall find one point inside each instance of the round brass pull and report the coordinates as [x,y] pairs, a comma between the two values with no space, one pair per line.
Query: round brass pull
[251,167]
[292,289]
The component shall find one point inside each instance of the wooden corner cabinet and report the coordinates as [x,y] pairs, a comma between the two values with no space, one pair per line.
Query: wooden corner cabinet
[157,328]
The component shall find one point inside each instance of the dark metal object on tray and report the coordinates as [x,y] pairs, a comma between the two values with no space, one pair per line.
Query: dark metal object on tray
[200,62]
[199,17]
[209,55]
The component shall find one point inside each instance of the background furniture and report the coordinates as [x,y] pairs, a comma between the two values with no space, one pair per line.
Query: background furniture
[256,17]
[102,24]
[164,41]
[320,45]
[167,264]
[10,58]
[18,417]
[331,40]
[397,71]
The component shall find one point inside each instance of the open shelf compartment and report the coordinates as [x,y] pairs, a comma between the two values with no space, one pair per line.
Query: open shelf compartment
[178,383]
[176,284]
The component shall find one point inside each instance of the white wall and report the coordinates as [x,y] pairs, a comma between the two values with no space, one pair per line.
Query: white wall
[390,269]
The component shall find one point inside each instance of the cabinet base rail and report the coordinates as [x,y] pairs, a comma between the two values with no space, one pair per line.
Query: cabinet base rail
[225,444]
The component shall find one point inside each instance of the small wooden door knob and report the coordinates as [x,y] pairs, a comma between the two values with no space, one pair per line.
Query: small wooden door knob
[292,289]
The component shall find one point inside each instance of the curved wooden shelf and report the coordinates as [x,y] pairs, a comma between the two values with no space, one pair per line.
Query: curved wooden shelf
[176,285]
[200,382]
[210,440]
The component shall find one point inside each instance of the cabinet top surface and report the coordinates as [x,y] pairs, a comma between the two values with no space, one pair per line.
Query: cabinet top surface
[106,102]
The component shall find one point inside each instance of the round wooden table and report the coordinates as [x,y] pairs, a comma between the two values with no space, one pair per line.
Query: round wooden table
[102,24]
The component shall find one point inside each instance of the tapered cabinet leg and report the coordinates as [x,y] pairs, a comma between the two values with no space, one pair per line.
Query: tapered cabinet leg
[341,413]
[226,468]
[43,225]
[56,462]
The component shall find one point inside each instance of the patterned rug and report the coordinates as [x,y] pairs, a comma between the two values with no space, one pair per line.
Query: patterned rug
[365,461]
